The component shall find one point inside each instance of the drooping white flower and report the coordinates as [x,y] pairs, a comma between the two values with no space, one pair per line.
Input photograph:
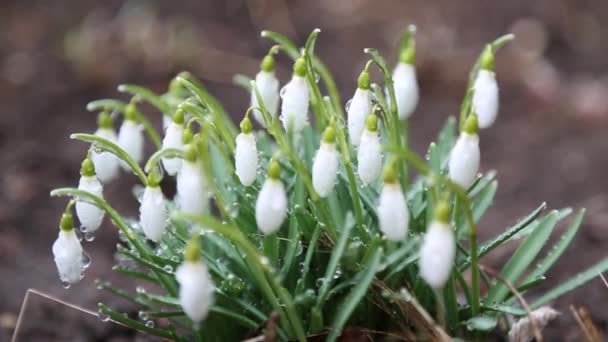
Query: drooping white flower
[246,154]
[153,211]
[465,155]
[359,108]
[369,156]
[325,165]
[268,86]
[271,205]
[294,109]
[173,139]
[406,89]
[89,215]
[393,214]
[437,250]
[192,185]
[131,139]
[68,253]
[106,164]
[485,98]
[196,287]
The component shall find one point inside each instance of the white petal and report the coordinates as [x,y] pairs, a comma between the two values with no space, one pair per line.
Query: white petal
[246,158]
[359,109]
[437,254]
[68,256]
[131,139]
[369,157]
[406,89]
[153,213]
[173,139]
[294,109]
[393,215]
[271,206]
[89,215]
[325,169]
[464,160]
[268,86]
[196,289]
[106,164]
[192,188]
[485,98]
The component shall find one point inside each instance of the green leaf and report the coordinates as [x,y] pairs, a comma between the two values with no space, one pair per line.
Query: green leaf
[507,309]
[523,257]
[147,95]
[481,323]
[134,324]
[354,297]
[242,81]
[446,140]
[574,282]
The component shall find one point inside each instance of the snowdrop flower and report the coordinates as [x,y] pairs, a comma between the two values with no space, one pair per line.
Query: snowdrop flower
[106,164]
[153,210]
[405,82]
[192,186]
[173,139]
[196,287]
[268,87]
[359,108]
[438,249]
[464,158]
[131,137]
[325,165]
[89,215]
[393,214]
[294,109]
[68,252]
[485,90]
[369,156]
[246,154]
[271,205]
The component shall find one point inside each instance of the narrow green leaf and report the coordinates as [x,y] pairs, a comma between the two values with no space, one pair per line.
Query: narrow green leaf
[148,96]
[242,81]
[134,324]
[164,153]
[446,140]
[481,323]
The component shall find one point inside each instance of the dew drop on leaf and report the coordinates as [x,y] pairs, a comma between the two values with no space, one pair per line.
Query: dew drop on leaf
[150,324]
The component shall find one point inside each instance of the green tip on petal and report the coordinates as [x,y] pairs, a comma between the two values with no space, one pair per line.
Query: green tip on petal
[408,55]
[131,112]
[178,117]
[268,63]
[442,212]
[67,222]
[190,154]
[329,135]
[390,174]
[104,120]
[364,82]
[274,170]
[246,126]
[187,136]
[154,179]
[371,123]
[192,252]
[471,126]
[87,168]
[487,58]
[299,67]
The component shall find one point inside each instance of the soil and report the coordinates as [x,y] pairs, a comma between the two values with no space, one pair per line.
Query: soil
[549,143]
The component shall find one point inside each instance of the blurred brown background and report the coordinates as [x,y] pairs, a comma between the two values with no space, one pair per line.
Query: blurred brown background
[549,143]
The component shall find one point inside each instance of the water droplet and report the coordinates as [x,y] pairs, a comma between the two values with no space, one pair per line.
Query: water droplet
[347,105]
[86,260]
[282,91]
[143,315]
[150,324]
[168,268]
[89,236]
[264,261]
[140,290]
[65,284]
[317,77]
[103,316]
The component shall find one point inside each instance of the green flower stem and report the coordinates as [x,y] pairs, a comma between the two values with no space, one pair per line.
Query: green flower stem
[271,249]
[110,147]
[265,278]
[321,113]
[120,106]
[164,153]
[123,226]
[148,96]
[208,172]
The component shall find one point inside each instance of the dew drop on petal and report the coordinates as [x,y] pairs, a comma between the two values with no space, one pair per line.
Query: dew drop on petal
[89,236]
[347,105]
[282,91]
[86,260]
[65,284]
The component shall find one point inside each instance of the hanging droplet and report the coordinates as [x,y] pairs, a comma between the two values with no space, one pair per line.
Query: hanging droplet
[86,260]
[347,105]
[150,324]
[78,234]
[168,268]
[104,317]
[65,284]
[282,91]
[89,236]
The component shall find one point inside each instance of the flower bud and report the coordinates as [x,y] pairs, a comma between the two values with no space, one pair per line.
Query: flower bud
[268,86]
[485,97]
[325,165]
[153,210]
[369,156]
[393,214]
[89,215]
[246,154]
[464,157]
[437,254]
[271,205]
[173,139]
[106,164]
[192,184]
[405,82]
[68,253]
[131,137]
[196,287]
[294,109]
[360,107]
